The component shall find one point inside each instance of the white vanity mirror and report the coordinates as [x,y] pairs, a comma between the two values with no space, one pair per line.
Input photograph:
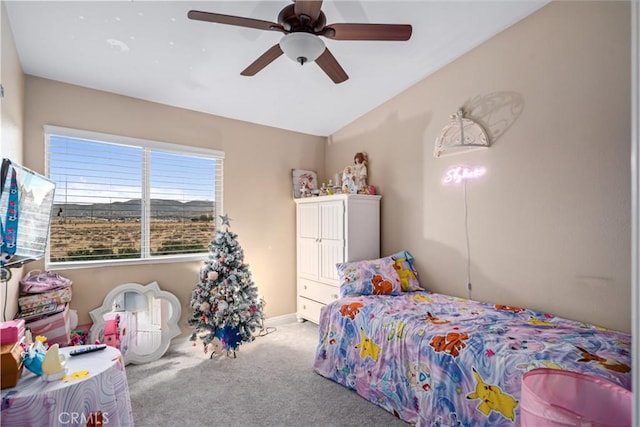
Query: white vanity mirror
[140,320]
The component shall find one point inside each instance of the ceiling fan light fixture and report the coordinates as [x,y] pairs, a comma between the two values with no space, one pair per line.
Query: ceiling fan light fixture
[302,47]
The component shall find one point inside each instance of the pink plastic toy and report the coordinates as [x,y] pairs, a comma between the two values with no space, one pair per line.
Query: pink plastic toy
[112,332]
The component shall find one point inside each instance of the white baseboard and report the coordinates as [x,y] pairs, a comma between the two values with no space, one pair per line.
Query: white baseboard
[280,320]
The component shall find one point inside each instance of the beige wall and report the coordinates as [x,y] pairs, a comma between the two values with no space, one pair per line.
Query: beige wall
[257,186]
[549,225]
[11,123]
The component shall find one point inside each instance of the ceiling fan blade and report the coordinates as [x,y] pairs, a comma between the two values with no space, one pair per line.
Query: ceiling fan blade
[310,8]
[239,21]
[330,66]
[391,32]
[265,59]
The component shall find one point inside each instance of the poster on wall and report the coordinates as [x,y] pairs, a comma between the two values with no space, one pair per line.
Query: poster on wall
[26,202]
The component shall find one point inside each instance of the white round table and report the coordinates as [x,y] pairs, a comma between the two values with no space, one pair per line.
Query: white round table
[102,397]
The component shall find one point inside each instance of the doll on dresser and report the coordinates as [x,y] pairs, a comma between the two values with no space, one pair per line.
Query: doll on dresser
[360,172]
[348,181]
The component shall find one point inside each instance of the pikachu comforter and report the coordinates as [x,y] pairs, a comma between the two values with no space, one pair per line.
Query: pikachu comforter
[434,359]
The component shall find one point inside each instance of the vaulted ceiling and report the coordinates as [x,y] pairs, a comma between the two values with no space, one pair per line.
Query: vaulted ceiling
[151,50]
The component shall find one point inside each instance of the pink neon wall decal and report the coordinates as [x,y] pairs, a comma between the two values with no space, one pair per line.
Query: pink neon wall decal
[457,174]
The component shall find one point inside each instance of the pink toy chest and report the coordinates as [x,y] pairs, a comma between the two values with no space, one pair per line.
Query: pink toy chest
[557,398]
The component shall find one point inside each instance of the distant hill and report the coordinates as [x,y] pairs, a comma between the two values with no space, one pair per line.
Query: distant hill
[166,209]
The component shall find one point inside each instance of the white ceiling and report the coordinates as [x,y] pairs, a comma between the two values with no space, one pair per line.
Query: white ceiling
[150,50]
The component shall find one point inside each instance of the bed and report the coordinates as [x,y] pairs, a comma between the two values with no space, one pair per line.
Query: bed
[434,359]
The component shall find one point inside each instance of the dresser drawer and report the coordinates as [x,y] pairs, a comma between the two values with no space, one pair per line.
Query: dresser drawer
[309,309]
[317,291]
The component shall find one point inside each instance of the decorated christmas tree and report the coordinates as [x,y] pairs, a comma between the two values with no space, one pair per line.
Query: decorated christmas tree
[226,307]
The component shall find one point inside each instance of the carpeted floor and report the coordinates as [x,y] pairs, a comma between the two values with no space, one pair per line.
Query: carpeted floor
[270,383]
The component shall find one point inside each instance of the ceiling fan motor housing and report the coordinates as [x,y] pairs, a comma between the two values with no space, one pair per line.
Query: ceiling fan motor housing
[292,23]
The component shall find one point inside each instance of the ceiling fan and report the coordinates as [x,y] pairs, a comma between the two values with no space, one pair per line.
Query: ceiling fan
[302,23]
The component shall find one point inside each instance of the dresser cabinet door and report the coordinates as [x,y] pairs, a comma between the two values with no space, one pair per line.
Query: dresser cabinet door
[331,243]
[308,239]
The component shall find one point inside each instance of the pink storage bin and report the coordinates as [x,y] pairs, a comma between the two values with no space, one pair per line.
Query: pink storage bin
[11,331]
[557,398]
[55,327]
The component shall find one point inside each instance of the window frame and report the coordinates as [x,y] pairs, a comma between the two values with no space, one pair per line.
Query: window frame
[146,144]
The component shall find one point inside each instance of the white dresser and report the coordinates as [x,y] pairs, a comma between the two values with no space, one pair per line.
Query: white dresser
[330,230]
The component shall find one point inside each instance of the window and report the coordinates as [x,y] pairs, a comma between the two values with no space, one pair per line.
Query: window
[123,200]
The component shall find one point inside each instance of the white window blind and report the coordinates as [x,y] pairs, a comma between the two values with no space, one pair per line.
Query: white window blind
[122,200]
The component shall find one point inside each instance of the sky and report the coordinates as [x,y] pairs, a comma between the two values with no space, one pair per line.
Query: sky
[94,172]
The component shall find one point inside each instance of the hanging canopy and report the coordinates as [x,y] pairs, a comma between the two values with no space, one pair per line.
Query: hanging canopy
[461,135]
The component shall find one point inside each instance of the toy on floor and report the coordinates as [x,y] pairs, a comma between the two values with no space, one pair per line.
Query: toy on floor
[78,337]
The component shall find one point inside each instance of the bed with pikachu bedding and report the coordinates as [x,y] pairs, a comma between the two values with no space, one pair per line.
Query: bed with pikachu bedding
[434,359]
